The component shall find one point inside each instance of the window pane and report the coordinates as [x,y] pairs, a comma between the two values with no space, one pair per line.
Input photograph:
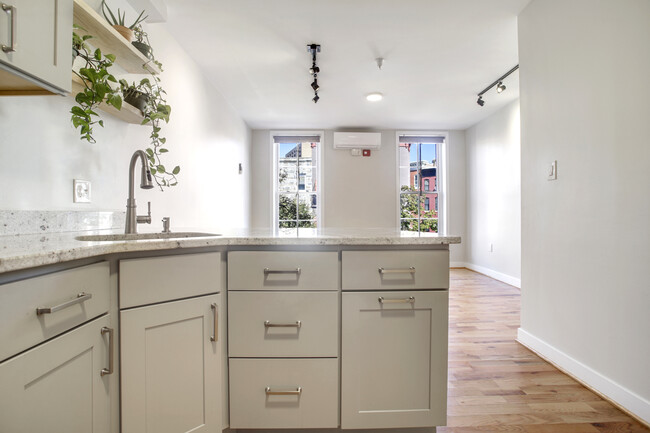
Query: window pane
[410,225]
[287,177]
[287,208]
[307,231]
[409,206]
[305,210]
[429,225]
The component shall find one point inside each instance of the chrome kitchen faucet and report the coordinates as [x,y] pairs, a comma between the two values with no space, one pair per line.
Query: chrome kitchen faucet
[132,217]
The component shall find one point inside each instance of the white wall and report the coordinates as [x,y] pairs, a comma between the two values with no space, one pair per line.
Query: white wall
[494,196]
[41,153]
[585,98]
[360,192]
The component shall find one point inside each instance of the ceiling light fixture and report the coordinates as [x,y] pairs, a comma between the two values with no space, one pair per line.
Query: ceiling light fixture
[498,82]
[374,97]
[314,70]
[380,62]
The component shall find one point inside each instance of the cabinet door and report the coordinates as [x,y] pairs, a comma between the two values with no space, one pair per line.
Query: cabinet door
[171,367]
[394,359]
[42,33]
[57,387]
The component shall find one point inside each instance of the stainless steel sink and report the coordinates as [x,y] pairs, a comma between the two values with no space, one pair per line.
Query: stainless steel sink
[144,236]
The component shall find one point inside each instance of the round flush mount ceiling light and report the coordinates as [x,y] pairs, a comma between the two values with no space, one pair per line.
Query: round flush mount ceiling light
[374,97]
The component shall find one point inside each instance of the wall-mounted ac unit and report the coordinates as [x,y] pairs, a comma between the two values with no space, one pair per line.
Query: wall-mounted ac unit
[357,140]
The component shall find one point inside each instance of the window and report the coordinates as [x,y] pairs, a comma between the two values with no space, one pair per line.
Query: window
[419,169]
[296,183]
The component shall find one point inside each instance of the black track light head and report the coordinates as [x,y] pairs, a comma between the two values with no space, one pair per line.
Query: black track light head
[315,98]
[480,101]
[314,85]
[501,87]
[314,69]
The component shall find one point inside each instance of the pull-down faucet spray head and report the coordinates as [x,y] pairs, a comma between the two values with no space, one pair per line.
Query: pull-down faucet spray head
[145,177]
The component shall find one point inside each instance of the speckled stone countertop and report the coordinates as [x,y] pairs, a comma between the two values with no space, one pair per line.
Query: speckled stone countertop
[28,251]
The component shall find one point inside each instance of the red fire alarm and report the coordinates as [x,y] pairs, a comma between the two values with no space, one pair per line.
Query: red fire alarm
[366,152]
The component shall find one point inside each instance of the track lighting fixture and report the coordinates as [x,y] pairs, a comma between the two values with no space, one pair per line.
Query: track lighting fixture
[498,83]
[314,70]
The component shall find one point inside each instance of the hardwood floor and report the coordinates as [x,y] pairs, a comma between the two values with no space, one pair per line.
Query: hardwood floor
[497,385]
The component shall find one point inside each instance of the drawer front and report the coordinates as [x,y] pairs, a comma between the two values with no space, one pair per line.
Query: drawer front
[273,324]
[280,270]
[253,403]
[160,279]
[20,325]
[395,270]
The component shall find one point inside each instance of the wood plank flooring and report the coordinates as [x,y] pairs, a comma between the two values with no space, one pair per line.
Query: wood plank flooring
[497,385]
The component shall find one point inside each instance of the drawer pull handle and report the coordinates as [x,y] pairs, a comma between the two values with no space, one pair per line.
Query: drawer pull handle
[10,10]
[81,297]
[297,391]
[410,270]
[215,313]
[268,324]
[268,271]
[108,370]
[409,300]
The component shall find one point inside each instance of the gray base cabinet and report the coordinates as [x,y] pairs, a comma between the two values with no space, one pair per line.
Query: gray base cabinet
[58,387]
[394,359]
[171,367]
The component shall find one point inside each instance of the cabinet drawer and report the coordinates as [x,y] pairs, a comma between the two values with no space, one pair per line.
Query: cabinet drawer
[270,324]
[159,279]
[20,325]
[253,404]
[280,270]
[395,270]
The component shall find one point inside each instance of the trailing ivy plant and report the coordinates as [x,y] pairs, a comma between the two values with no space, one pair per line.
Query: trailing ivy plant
[97,87]
[155,112]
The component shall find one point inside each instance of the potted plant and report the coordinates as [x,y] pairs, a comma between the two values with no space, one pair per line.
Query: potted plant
[97,86]
[142,42]
[155,111]
[118,22]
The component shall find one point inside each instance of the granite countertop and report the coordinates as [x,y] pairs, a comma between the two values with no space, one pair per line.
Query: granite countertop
[31,250]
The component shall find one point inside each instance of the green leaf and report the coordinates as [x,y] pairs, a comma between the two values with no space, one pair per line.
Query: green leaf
[101,123]
[176,170]
[161,168]
[77,110]
[149,152]
[162,150]
[110,57]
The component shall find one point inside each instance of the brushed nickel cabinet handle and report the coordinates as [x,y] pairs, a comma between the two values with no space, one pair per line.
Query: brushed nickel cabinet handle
[268,271]
[268,324]
[410,270]
[215,313]
[297,391]
[81,297]
[111,353]
[10,10]
[409,300]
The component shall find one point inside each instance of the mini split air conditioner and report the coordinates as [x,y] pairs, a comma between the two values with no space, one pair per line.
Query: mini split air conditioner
[357,140]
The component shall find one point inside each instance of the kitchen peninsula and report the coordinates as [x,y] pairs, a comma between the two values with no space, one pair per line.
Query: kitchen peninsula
[338,330]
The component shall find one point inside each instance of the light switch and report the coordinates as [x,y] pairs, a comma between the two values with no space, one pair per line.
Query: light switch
[552,171]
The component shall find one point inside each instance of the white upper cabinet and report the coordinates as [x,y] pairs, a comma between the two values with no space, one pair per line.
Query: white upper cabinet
[36,46]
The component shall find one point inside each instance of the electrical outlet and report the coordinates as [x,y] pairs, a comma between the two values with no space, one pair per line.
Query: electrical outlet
[81,191]
[552,171]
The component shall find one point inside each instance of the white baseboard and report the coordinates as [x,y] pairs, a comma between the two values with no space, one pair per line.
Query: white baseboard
[494,274]
[628,400]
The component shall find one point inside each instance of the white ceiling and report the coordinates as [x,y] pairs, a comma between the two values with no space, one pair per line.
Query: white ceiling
[438,55]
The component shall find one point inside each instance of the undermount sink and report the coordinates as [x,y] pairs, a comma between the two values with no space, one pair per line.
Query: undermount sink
[143,236]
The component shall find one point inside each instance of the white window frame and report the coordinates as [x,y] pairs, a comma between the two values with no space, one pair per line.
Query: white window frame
[441,177]
[275,217]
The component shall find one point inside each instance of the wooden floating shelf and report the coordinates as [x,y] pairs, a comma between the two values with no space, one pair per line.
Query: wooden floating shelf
[128,113]
[107,39]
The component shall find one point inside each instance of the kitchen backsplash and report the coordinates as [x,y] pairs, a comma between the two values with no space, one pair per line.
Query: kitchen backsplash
[19,222]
